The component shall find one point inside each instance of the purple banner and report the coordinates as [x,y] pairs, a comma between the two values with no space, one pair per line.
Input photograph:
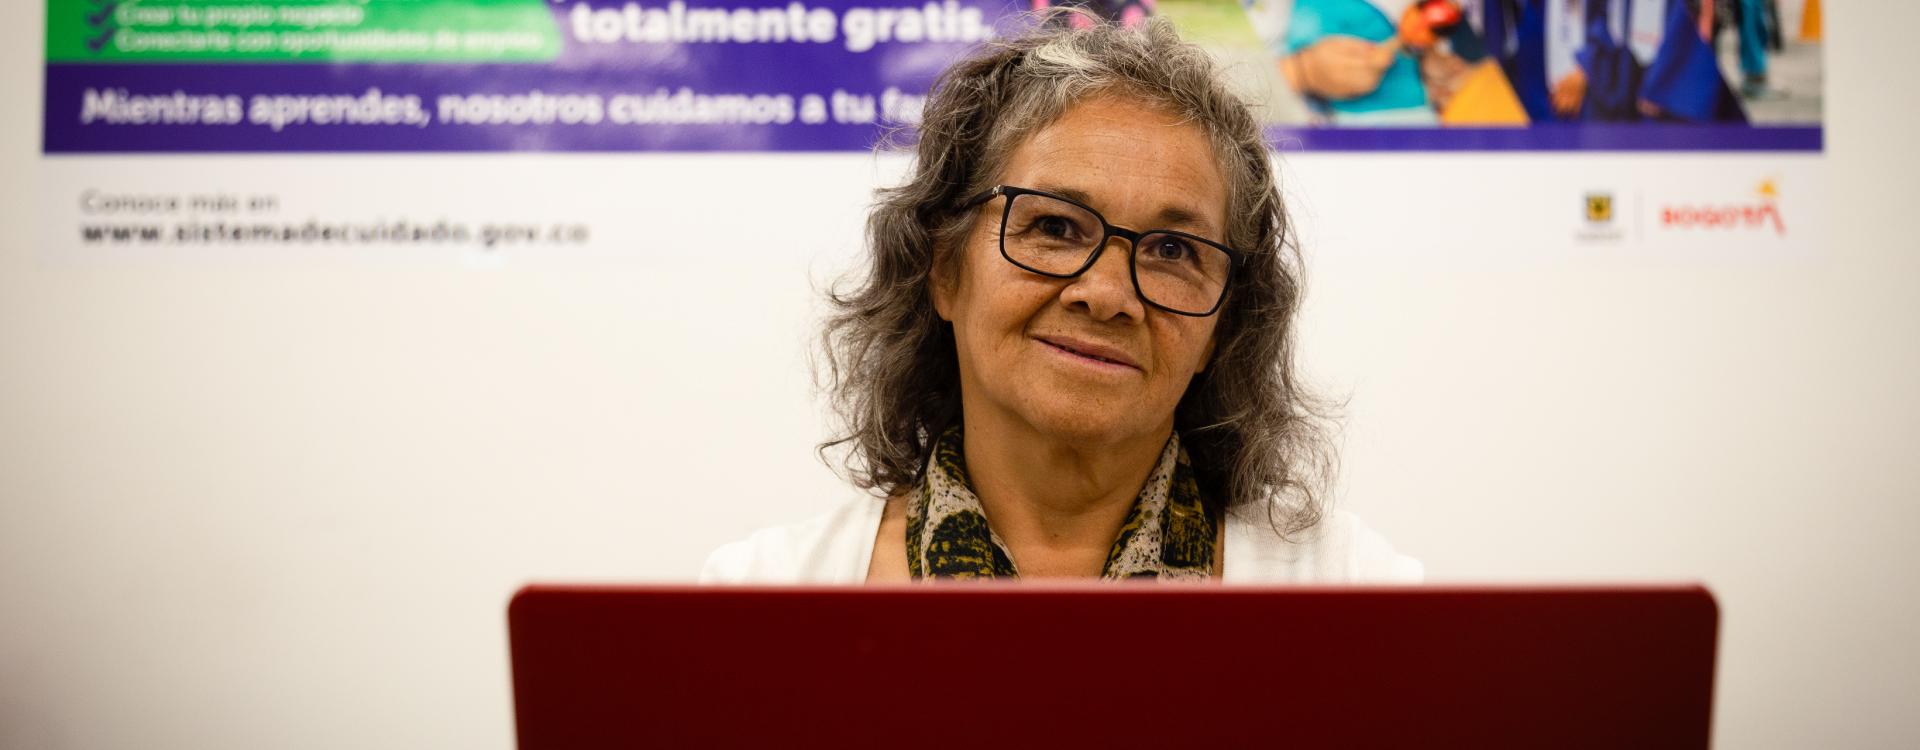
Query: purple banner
[717,75]
[682,109]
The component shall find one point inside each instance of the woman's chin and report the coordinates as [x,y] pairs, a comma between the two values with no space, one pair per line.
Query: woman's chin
[1093,422]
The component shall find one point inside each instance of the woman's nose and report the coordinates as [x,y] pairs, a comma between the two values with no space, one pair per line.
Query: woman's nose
[1105,291]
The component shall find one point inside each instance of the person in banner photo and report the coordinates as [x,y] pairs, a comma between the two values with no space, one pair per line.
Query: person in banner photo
[1124,13]
[1346,56]
[1756,25]
[1622,61]
[1389,62]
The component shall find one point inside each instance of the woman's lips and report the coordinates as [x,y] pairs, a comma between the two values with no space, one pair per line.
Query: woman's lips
[1090,353]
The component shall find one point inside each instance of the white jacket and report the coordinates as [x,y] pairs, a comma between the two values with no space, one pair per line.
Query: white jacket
[836,548]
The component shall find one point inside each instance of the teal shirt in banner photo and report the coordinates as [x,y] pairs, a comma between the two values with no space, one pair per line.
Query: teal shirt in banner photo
[1401,98]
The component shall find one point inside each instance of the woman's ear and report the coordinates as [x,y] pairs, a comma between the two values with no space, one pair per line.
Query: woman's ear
[941,282]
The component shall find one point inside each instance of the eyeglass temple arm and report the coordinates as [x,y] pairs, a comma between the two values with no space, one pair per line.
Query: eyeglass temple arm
[990,194]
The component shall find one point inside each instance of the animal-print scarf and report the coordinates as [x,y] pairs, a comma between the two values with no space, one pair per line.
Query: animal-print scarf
[1168,533]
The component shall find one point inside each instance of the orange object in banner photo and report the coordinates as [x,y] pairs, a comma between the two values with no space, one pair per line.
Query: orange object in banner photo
[1485,98]
[1422,22]
[1810,22]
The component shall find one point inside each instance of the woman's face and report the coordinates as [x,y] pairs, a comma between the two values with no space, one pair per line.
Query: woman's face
[1024,340]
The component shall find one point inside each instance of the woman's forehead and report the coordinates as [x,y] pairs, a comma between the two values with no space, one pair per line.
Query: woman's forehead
[1124,155]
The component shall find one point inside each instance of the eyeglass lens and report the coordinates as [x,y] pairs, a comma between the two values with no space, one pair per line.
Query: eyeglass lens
[1056,237]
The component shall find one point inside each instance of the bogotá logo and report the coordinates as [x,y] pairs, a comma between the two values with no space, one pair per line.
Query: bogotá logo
[1599,213]
[1599,208]
[1762,212]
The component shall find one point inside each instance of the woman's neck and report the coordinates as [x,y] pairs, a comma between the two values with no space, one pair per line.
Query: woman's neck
[1057,503]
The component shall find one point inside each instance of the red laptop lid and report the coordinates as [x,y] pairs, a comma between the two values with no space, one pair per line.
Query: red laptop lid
[1112,666]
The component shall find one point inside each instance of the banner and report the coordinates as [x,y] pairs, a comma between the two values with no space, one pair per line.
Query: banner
[157,76]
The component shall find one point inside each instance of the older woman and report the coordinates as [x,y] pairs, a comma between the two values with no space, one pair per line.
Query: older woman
[1072,353]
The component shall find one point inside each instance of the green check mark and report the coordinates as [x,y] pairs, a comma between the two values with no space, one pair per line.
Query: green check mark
[106,11]
[97,42]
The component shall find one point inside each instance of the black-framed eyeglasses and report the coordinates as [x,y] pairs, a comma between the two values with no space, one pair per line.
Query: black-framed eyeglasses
[1059,237]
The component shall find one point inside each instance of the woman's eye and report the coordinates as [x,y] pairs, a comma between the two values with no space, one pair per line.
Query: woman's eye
[1055,226]
[1168,248]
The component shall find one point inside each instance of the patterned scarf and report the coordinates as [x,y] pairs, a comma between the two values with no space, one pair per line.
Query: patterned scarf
[1167,535]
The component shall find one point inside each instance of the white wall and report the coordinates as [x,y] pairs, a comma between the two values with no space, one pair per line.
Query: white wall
[280,501]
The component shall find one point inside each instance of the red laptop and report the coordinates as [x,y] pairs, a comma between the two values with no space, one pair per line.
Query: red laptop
[1111,666]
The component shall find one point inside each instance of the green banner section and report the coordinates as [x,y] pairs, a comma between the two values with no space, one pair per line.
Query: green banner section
[300,30]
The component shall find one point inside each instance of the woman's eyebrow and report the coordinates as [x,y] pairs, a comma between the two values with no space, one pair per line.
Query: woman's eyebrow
[1168,218]
[1175,216]
[1065,192]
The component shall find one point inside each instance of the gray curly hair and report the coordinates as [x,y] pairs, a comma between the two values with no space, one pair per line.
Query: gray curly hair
[1255,436]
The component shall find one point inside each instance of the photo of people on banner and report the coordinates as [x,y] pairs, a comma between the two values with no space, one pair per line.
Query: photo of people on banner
[1420,63]
[1521,62]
